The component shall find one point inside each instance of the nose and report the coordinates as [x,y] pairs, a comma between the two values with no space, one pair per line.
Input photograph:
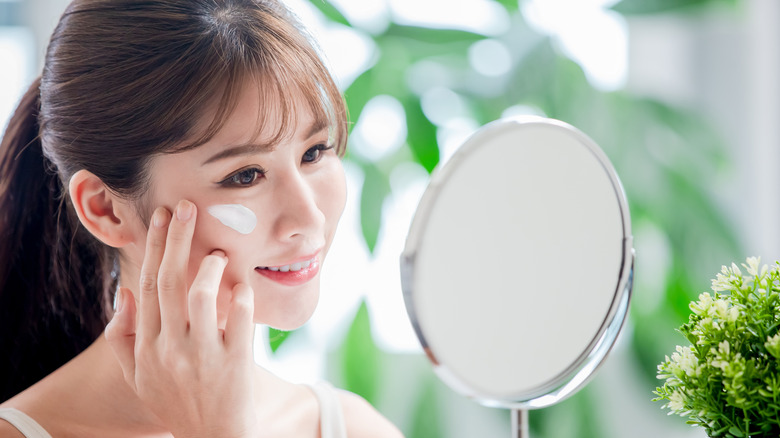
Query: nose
[299,215]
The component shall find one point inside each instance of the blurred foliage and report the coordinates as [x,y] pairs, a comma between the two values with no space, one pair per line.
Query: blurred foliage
[658,6]
[360,357]
[427,417]
[277,337]
[665,157]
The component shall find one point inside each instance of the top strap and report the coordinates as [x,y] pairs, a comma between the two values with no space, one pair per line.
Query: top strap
[332,423]
[21,421]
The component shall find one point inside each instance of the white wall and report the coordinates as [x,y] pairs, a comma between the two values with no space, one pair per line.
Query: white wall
[725,66]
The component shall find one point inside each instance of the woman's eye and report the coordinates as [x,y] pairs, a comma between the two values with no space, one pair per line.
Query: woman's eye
[315,153]
[243,178]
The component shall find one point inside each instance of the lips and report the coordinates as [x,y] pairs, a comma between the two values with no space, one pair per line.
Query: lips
[293,274]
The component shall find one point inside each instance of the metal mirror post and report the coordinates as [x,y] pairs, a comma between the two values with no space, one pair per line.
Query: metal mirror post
[520,423]
[518,265]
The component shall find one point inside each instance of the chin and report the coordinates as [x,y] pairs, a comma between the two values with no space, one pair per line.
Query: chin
[287,310]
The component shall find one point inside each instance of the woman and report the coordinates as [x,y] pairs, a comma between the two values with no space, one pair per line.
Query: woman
[184,153]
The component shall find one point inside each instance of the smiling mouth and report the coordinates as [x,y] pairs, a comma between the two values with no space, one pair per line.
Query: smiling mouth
[295,267]
[294,274]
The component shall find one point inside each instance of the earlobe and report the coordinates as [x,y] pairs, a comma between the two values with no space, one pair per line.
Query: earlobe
[101,211]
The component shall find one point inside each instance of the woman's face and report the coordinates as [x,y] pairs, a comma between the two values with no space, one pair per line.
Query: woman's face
[296,189]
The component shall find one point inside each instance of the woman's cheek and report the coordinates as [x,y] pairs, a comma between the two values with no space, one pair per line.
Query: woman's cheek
[336,193]
[211,234]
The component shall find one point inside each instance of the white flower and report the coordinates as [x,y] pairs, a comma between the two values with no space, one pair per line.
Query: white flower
[733,314]
[773,345]
[677,402]
[723,281]
[723,310]
[752,266]
[702,306]
[724,348]
[688,361]
[722,356]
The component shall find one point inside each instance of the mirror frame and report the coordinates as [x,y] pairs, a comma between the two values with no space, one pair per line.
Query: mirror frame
[579,372]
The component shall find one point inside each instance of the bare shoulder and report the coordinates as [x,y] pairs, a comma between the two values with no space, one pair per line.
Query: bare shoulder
[363,420]
[9,431]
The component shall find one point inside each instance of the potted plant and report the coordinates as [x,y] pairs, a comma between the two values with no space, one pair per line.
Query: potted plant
[727,380]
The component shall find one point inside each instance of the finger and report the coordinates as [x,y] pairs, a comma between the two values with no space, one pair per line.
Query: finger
[202,298]
[149,320]
[172,281]
[120,334]
[240,325]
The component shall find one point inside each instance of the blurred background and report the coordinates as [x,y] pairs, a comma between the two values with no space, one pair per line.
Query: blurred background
[682,95]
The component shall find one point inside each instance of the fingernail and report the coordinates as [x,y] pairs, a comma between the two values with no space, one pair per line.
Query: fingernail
[120,302]
[220,253]
[184,211]
[160,218]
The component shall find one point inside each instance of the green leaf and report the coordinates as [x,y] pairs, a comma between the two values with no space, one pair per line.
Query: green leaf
[358,94]
[432,35]
[277,337]
[375,188]
[330,11]
[629,7]
[734,430]
[588,419]
[579,409]
[510,5]
[361,357]
[421,135]
[427,418]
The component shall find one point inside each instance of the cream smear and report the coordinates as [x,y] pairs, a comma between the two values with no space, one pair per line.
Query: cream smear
[235,216]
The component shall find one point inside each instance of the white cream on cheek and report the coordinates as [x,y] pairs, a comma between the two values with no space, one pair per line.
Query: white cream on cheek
[235,216]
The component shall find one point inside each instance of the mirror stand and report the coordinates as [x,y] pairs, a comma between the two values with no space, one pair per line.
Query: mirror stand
[520,423]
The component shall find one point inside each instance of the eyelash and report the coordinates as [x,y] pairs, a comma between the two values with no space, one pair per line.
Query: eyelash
[255,173]
[235,180]
[320,148]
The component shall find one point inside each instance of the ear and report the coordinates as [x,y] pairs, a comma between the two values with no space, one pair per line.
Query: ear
[101,211]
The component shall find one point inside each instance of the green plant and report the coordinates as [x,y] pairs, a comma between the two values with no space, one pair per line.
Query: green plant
[728,380]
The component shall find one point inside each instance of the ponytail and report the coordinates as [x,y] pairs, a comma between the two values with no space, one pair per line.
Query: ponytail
[55,279]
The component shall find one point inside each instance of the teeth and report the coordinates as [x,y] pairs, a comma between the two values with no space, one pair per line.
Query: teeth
[287,268]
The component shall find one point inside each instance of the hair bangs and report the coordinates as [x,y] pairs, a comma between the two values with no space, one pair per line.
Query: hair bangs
[289,76]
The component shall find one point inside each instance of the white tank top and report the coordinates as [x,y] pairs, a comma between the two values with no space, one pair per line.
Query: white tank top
[331,416]
[26,425]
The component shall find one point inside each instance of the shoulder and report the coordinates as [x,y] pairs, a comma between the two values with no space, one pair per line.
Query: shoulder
[363,420]
[9,431]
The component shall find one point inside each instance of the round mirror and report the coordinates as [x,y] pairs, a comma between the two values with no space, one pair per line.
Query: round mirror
[518,265]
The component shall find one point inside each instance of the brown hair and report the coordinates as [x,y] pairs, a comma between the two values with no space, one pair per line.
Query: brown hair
[123,81]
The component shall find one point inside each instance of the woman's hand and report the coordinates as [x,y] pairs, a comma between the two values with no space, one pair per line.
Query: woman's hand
[195,377]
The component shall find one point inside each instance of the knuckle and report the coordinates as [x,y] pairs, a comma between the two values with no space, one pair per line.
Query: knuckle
[201,295]
[168,280]
[243,304]
[148,282]
[156,242]
[178,236]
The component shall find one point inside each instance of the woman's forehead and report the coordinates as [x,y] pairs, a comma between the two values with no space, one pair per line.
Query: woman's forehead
[262,114]
[268,122]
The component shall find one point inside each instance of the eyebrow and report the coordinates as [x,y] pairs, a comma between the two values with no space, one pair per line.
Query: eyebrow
[256,148]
